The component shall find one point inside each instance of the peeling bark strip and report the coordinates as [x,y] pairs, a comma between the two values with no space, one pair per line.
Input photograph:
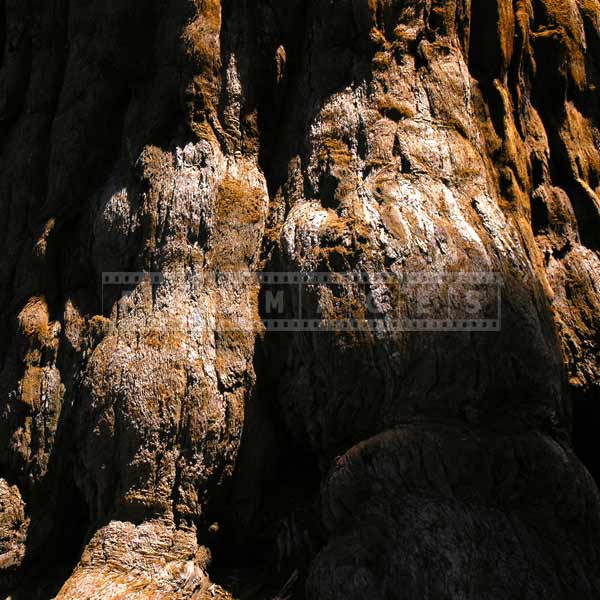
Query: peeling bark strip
[144,456]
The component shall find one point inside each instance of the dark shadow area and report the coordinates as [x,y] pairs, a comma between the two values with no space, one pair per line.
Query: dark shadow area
[586,429]
[485,48]
[56,538]
[264,530]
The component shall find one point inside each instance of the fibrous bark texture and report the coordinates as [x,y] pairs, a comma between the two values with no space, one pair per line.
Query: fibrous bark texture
[146,453]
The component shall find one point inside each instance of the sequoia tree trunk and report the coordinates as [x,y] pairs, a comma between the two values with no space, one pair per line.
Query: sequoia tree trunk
[143,457]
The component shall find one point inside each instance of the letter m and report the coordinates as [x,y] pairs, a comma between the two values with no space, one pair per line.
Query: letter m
[274,303]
